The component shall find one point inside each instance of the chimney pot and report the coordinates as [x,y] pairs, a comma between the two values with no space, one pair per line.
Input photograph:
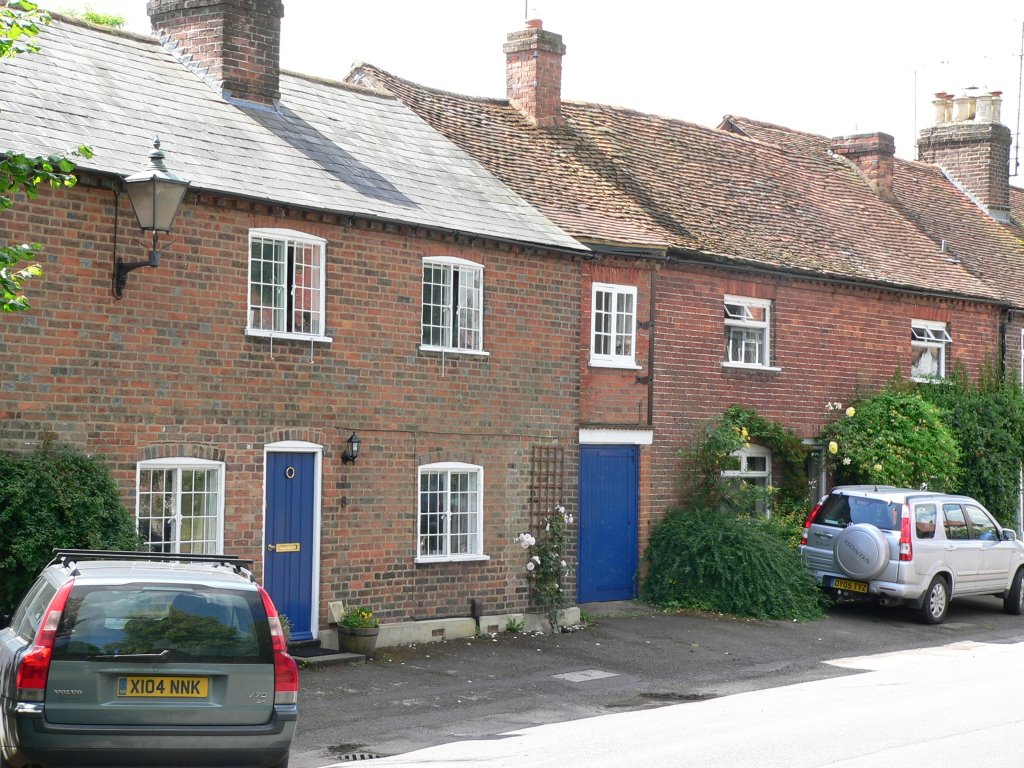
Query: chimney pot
[973,150]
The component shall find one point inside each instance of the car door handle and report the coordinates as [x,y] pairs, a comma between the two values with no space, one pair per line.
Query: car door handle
[823,535]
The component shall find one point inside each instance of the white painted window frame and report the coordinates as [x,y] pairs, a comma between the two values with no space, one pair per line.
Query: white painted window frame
[613,360]
[178,464]
[450,467]
[301,239]
[929,334]
[452,306]
[745,473]
[747,322]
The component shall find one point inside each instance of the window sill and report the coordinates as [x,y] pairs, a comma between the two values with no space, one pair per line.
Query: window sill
[625,364]
[454,351]
[749,367]
[290,336]
[453,559]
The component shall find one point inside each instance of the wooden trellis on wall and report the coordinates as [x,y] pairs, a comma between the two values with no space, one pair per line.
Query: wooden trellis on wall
[547,481]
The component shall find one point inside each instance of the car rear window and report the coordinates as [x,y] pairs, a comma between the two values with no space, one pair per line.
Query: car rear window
[839,511]
[160,622]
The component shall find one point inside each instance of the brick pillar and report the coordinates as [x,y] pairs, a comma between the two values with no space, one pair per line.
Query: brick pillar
[873,154]
[973,147]
[235,45]
[533,73]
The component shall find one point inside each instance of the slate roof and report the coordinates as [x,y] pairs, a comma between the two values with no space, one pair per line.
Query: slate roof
[616,176]
[329,147]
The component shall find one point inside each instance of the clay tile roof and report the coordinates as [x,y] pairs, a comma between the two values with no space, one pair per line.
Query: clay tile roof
[747,192]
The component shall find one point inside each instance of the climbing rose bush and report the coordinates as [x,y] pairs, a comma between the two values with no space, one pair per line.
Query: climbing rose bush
[546,568]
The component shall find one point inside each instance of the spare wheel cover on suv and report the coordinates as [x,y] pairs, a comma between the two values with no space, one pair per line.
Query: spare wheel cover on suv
[862,551]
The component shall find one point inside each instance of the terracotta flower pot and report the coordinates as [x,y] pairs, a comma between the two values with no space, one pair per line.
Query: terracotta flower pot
[358,640]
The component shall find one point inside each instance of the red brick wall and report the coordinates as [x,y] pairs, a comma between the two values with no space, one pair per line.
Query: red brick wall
[614,396]
[830,342]
[168,371]
[533,73]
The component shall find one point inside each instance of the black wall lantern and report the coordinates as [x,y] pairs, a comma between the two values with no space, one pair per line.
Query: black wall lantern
[156,194]
[351,450]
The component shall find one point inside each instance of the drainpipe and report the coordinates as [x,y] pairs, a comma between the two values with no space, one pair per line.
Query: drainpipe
[650,350]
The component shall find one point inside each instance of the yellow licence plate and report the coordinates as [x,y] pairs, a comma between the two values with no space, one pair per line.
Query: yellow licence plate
[850,586]
[163,687]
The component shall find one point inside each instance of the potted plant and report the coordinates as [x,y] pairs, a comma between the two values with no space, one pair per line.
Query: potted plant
[358,630]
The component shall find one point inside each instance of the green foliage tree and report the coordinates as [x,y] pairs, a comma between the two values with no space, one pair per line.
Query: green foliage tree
[100,18]
[987,419]
[55,497]
[19,24]
[895,437]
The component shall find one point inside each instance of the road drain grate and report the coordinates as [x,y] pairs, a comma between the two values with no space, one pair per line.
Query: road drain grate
[350,753]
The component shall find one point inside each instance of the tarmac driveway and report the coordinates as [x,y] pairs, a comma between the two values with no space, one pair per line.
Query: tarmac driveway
[409,698]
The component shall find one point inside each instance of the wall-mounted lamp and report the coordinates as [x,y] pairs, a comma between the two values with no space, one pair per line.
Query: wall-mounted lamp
[351,450]
[156,194]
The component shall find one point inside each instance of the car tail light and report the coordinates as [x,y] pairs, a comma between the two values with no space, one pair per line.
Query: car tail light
[35,666]
[906,543]
[286,671]
[810,519]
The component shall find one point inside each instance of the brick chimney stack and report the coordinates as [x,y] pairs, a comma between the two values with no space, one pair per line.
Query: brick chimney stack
[533,74]
[873,154]
[970,144]
[234,45]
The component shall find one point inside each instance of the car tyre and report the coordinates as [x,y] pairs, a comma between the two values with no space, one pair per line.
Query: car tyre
[1013,603]
[283,763]
[936,601]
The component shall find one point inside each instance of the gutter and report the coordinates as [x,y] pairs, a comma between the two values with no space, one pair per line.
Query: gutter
[726,262]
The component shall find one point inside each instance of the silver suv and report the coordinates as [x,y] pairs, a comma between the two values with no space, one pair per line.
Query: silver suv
[132,658]
[900,546]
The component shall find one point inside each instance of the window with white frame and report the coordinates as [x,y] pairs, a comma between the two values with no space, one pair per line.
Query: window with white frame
[928,342]
[453,305]
[286,283]
[755,468]
[450,512]
[747,331]
[179,505]
[613,326]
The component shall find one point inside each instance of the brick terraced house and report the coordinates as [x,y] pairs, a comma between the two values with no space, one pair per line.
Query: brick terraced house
[747,264]
[337,268]
[364,258]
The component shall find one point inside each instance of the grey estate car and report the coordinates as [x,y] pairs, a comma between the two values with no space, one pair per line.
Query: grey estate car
[131,658]
[900,546]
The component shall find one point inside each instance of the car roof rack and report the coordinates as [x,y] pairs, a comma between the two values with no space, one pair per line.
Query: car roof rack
[65,556]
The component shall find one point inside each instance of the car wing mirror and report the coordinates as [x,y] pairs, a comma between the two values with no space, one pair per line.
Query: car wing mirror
[1009,534]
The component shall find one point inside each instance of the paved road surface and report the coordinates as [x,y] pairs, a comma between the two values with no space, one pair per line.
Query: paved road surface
[477,689]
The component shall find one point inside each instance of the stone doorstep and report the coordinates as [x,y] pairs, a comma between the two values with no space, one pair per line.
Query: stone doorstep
[437,630]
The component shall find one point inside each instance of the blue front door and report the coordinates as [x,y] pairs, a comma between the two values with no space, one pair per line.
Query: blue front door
[288,554]
[608,522]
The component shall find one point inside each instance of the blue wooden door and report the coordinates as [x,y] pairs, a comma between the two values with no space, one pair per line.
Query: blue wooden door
[608,522]
[288,554]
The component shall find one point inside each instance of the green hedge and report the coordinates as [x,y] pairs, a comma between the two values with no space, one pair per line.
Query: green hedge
[713,560]
[55,497]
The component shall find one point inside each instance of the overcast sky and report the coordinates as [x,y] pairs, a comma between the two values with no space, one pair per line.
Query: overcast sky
[832,68]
